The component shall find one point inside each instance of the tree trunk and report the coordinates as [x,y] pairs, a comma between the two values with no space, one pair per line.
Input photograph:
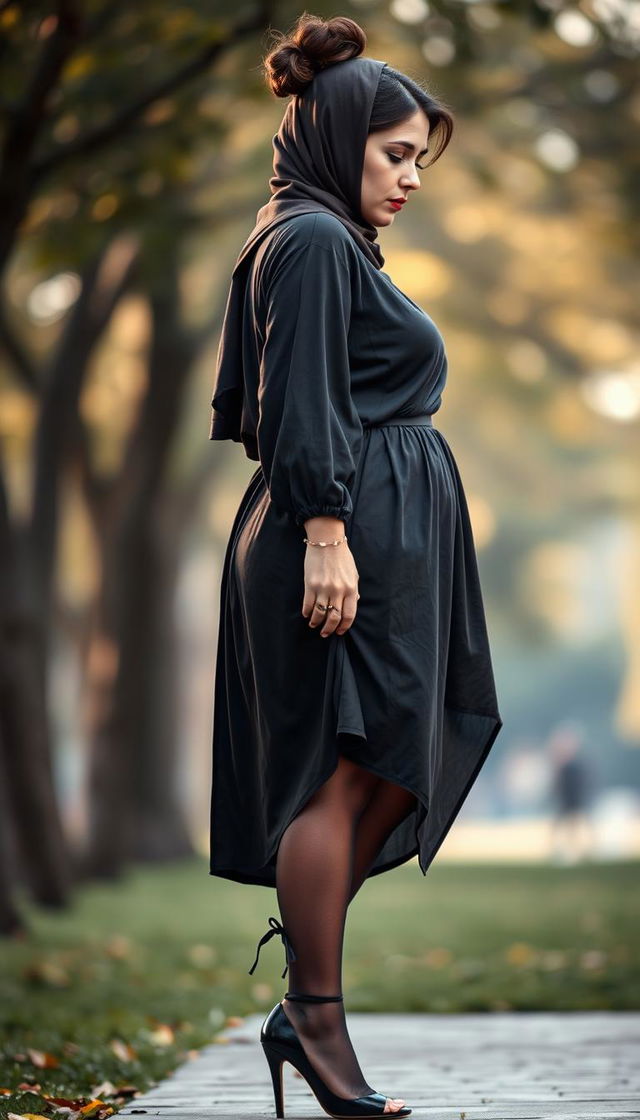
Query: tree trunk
[26,753]
[134,807]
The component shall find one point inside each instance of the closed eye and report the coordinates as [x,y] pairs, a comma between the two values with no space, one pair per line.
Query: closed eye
[398,159]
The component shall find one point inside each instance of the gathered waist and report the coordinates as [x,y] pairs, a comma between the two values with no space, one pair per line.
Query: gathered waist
[423,418]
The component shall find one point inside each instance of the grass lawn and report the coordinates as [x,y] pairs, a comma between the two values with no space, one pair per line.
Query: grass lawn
[112,994]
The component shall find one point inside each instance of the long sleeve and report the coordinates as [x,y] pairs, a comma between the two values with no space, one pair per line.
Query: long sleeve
[309,433]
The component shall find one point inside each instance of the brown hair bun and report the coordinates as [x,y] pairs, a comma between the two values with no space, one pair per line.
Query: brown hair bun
[311,45]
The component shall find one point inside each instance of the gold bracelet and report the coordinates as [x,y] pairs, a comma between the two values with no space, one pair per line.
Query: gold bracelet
[323,544]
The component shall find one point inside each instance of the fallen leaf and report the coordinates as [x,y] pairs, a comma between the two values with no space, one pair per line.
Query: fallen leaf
[520,953]
[26,1116]
[42,1058]
[127,1090]
[438,957]
[202,956]
[163,1035]
[91,1107]
[118,947]
[105,1088]
[75,1103]
[123,1050]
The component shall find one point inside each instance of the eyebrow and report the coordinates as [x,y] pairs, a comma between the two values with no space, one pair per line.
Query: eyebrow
[409,147]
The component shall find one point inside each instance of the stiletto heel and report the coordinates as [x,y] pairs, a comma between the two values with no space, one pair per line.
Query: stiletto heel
[281,1044]
[275,1065]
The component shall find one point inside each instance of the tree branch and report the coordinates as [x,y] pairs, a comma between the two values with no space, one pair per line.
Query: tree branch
[121,123]
[25,121]
[28,114]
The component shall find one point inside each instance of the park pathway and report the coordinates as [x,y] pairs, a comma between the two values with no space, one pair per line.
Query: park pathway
[494,1066]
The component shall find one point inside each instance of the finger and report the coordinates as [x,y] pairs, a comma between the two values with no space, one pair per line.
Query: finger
[309,601]
[349,611]
[318,614]
[332,618]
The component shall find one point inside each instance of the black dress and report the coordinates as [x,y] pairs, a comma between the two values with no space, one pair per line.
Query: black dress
[332,353]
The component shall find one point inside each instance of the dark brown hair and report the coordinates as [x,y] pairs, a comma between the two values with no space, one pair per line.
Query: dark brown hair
[314,43]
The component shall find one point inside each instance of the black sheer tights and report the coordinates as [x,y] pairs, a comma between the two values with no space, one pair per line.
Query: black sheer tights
[322,861]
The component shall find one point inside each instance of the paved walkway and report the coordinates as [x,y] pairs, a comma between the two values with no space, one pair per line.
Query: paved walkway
[495,1066]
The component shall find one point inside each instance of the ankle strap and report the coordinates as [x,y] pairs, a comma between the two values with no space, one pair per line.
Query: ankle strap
[312,999]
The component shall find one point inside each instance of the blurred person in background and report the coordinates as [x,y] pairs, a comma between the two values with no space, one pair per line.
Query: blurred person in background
[571,789]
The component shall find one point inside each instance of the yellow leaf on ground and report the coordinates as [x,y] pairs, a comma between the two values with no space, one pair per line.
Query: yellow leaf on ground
[26,1116]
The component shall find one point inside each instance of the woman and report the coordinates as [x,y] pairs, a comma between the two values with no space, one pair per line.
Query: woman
[354,695]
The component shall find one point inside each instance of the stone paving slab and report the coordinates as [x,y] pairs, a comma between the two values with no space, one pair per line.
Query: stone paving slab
[494,1066]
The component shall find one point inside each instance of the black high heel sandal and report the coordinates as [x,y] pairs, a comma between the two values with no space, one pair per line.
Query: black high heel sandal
[280,1043]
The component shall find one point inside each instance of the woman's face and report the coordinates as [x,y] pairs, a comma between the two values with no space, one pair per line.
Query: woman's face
[389,170]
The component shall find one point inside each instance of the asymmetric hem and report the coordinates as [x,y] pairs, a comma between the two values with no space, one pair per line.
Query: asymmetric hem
[266,876]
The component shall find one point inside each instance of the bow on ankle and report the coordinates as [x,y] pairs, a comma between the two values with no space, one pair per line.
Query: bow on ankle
[276,928]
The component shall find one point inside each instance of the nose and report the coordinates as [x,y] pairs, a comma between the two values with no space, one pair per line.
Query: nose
[412,181]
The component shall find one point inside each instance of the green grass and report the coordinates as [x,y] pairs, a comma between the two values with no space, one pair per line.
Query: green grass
[158,962]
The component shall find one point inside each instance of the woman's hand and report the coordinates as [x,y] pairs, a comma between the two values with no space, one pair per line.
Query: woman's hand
[330,576]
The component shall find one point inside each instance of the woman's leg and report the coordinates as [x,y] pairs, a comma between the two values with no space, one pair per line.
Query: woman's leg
[314,871]
[388,805]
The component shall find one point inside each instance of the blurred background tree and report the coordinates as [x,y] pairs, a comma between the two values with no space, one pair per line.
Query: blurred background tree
[97,189]
[135,152]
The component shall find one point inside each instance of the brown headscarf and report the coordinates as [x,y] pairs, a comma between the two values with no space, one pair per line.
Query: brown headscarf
[318,161]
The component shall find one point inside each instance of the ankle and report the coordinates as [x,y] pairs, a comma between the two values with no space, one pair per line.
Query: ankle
[318,1018]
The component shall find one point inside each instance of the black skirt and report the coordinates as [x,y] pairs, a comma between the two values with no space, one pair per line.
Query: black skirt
[407,692]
